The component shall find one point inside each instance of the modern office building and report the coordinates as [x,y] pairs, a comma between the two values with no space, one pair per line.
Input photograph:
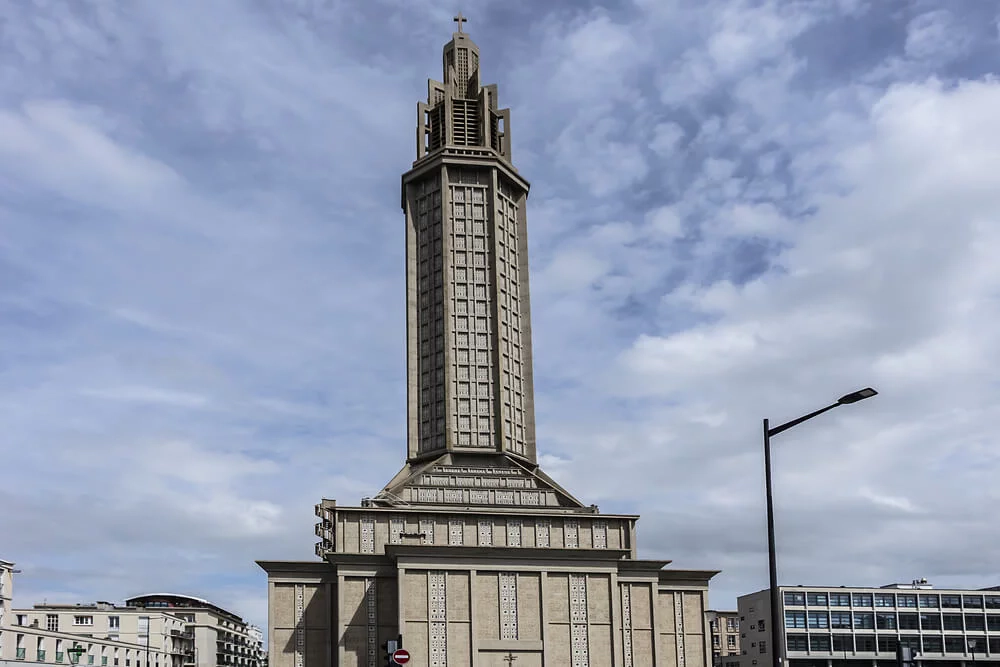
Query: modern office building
[862,627]
[725,629]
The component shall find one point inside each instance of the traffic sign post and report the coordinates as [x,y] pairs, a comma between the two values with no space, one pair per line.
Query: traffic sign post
[401,656]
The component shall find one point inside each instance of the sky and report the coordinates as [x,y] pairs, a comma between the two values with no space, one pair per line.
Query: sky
[739,209]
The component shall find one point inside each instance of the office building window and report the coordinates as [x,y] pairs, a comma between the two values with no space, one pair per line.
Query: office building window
[731,641]
[795,619]
[953,622]
[906,600]
[864,643]
[885,620]
[887,643]
[930,621]
[975,622]
[911,642]
[819,642]
[993,622]
[994,645]
[114,622]
[83,620]
[977,644]
[862,599]
[794,599]
[928,601]
[798,642]
[954,644]
[819,619]
[951,601]
[816,599]
[843,643]
[909,621]
[885,600]
[993,601]
[972,601]
[840,619]
[933,644]
[840,599]
[863,620]
[52,622]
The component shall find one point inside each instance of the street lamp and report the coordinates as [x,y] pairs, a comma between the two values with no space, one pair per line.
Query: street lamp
[777,629]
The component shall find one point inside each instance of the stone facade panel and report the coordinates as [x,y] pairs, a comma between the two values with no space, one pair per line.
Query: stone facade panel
[529,606]
[557,604]
[599,598]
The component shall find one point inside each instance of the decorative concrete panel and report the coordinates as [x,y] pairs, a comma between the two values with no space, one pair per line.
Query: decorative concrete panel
[437,613]
[508,605]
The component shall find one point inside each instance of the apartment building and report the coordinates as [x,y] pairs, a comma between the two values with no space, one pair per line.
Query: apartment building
[6,598]
[160,632]
[725,629]
[220,637]
[862,627]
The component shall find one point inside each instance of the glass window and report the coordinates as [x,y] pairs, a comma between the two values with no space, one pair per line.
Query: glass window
[864,620]
[840,619]
[975,622]
[862,599]
[972,601]
[909,622]
[798,642]
[816,599]
[930,621]
[933,644]
[993,601]
[865,643]
[977,644]
[951,601]
[906,600]
[760,625]
[993,622]
[843,643]
[819,642]
[885,620]
[795,619]
[954,645]
[763,647]
[819,619]
[731,641]
[796,599]
[953,622]
[929,601]
[994,645]
[840,599]
[887,643]
[885,600]
[910,641]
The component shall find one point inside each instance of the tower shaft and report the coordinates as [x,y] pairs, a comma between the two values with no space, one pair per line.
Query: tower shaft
[469,378]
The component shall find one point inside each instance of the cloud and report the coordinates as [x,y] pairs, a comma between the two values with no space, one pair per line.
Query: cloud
[738,210]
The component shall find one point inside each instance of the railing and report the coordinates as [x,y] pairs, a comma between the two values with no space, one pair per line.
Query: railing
[41,655]
[20,654]
[59,656]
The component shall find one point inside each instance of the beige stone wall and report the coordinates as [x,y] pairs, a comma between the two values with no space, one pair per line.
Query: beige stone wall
[350,532]
[300,623]
[688,646]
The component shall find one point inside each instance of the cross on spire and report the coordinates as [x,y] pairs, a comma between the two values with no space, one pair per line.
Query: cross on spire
[459,19]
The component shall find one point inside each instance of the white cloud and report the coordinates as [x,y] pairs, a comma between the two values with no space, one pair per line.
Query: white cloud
[730,218]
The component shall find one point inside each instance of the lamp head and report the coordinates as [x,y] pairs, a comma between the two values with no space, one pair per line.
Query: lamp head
[856,396]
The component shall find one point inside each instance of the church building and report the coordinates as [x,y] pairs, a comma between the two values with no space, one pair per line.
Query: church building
[471,555]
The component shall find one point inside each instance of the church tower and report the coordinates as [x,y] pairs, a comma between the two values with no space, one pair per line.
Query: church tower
[469,379]
[471,554]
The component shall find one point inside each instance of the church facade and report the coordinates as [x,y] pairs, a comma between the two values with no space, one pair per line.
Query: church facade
[471,554]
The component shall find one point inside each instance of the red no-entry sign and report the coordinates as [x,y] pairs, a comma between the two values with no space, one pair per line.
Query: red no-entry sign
[401,657]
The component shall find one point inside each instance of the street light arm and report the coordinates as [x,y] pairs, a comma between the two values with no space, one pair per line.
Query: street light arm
[795,422]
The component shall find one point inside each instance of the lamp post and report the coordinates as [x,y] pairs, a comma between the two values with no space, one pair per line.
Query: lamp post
[777,628]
